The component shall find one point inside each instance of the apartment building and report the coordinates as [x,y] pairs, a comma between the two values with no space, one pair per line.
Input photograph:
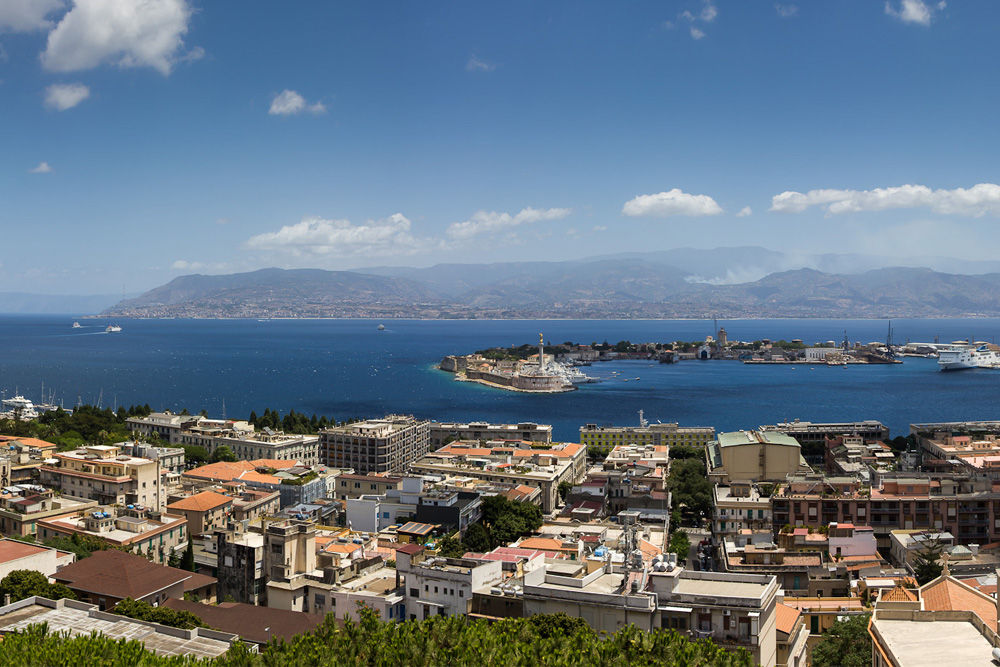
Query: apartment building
[240,436]
[440,586]
[816,433]
[104,474]
[753,456]
[204,511]
[965,506]
[151,533]
[593,436]
[543,467]
[739,506]
[440,432]
[376,445]
[23,506]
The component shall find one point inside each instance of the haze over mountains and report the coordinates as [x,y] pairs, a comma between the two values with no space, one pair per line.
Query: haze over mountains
[725,282]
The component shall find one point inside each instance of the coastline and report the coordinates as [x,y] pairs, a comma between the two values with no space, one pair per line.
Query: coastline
[460,377]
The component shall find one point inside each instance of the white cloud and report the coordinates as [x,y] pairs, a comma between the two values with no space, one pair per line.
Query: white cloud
[786,11]
[210,267]
[289,103]
[62,96]
[977,201]
[126,33]
[696,33]
[484,222]
[670,203]
[913,11]
[320,237]
[709,12]
[474,64]
[27,15]
[42,168]
[744,212]
[599,228]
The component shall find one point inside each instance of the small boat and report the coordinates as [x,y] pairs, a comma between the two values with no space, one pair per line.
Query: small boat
[76,325]
[381,327]
[113,328]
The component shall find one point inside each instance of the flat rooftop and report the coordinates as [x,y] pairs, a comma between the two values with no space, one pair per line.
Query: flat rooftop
[80,621]
[923,644]
[722,589]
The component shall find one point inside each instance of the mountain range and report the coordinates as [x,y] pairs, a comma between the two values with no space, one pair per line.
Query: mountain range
[725,282]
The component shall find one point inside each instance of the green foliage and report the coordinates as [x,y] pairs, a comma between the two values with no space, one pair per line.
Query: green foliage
[476,539]
[508,520]
[846,644]
[449,547]
[21,584]
[683,452]
[144,611]
[547,641]
[925,562]
[564,489]
[223,453]
[691,491]
[187,560]
[680,544]
[195,454]
[81,545]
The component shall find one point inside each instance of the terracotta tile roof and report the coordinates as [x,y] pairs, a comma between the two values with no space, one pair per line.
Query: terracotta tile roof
[14,550]
[277,464]
[200,502]
[28,442]
[899,594]
[257,624]
[411,549]
[948,594]
[785,618]
[545,544]
[120,575]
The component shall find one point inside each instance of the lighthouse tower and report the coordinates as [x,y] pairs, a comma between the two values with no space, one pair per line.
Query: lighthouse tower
[541,355]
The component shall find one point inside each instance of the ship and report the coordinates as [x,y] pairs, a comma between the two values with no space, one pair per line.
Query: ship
[19,407]
[76,325]
[962,355]
[113,328]
[381,327]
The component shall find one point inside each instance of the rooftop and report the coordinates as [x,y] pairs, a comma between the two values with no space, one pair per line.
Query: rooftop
[920,644]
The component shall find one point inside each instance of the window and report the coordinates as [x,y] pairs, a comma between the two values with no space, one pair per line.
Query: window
[461,593]
[435,589]
[414,592]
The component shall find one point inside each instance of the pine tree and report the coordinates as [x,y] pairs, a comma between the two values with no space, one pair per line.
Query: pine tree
[187,560]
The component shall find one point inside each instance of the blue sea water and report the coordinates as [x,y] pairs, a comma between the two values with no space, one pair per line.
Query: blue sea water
[347,368]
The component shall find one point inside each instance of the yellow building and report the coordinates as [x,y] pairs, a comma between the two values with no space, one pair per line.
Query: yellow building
[753,456]
[608,437]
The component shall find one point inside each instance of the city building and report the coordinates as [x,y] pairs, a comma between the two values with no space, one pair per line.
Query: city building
[17,555]
[965,506]
[450,431]
[80,619]
[541,466]
[439,586]
[376,445]
[740,506]
[22,506]
[593,436]
[256,625]
[103,473]
[294,482]
[105,578]
[753,456]
[240,436]
[204,511]
[240,568]
[355,486]
[136,528]
[811,433]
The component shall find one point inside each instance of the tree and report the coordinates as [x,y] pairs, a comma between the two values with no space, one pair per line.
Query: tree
[449,547]
[187,560]
[846,644]
[680,544]
[925,562]
[476,539]
[195,454]
[223,453]
[173,560]
[144,611]
[564,489]
[21,584]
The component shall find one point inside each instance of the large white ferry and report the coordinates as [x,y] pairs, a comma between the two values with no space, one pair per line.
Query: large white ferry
[962,355]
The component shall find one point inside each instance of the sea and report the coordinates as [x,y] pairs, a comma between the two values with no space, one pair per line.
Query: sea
[349,369]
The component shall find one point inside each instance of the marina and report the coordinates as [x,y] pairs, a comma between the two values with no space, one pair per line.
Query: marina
[342,369]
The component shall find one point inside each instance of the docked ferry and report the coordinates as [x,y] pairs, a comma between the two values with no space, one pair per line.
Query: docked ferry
[962,355]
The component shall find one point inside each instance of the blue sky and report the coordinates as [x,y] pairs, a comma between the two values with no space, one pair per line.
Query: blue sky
[149,140]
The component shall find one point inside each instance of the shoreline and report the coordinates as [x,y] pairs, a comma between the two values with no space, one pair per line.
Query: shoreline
[461,378]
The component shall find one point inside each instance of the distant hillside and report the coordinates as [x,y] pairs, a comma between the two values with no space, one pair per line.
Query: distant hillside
[619,287]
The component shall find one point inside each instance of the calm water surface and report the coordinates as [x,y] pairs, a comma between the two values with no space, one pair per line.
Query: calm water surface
[346,368]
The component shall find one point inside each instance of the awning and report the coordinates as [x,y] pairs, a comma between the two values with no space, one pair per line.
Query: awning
[682,610]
